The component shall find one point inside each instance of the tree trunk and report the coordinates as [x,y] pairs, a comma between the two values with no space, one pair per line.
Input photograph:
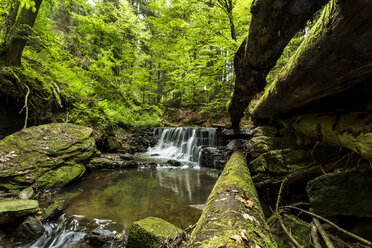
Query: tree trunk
[15,41]
[335,56]
[233,216]
[272,27]
[352,131]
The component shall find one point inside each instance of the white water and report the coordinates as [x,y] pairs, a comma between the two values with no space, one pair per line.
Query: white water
[60,234]
[184,143]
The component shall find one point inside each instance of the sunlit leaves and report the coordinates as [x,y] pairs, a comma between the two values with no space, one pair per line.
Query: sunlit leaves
[28,4]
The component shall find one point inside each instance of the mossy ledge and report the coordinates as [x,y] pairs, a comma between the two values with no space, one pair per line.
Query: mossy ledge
[233,215]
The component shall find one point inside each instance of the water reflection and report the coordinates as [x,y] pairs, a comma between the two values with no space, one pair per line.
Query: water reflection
[129,195]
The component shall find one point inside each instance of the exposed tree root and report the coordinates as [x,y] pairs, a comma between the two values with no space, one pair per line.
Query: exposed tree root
[363,240]
[322,233]
[294,241]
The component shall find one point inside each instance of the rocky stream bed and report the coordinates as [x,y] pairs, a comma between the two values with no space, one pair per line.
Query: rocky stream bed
[59,190]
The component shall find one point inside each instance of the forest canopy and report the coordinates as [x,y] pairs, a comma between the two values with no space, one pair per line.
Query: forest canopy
[121,62]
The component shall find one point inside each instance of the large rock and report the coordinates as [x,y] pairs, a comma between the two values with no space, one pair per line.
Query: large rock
[12,209]
[150,232]
[46,155]
[213,157]
[54,209]
[261,144]
[343,193]
[30,229]
[280,161]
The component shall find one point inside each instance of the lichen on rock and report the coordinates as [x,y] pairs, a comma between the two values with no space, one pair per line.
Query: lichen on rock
[47,155]
[11,209]
[150,232]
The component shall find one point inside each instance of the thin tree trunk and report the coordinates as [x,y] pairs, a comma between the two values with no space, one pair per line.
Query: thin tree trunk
[15,43]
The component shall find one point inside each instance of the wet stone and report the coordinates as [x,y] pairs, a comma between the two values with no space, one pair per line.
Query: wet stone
[54,210]
[12,209]
[150,232]
[174,163]
[30,229]
[27,193]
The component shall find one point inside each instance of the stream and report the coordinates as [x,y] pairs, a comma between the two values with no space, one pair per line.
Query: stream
[112,200]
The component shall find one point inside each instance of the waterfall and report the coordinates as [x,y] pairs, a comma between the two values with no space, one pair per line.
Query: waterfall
[184,143]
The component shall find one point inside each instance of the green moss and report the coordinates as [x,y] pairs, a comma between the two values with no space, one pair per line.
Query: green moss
[226,213]
[352,131]
[61,176]
[40,153]
[11,209]
[150,232]
[303,50]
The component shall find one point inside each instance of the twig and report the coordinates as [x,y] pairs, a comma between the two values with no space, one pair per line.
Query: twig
[322,232]
[314,236]
[26,106]
[312,151]
[280,219]
[364,241]
[338,161]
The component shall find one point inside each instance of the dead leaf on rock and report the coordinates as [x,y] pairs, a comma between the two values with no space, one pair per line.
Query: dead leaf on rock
[222,245]
[237,237]
[254,246]
[244,235]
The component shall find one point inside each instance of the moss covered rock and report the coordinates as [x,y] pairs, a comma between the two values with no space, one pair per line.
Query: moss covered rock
[11,209]
[280,161]
[46,155]
[261,144]
[346,193]
[150,232]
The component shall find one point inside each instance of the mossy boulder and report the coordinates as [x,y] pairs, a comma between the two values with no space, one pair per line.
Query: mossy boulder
[347,193]
[261,144]
[30,229]
[280,161]
[12,209]
[150,232]
[47,155]
[265,131]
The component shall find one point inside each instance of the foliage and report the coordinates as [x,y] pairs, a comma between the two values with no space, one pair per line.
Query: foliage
[118,62]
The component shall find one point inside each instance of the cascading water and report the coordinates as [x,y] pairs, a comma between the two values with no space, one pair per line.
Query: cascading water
[184,143]
[60,234]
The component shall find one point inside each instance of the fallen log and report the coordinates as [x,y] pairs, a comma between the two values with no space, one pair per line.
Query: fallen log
[233,216]
[273,25]
[335,56]
[352,131]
